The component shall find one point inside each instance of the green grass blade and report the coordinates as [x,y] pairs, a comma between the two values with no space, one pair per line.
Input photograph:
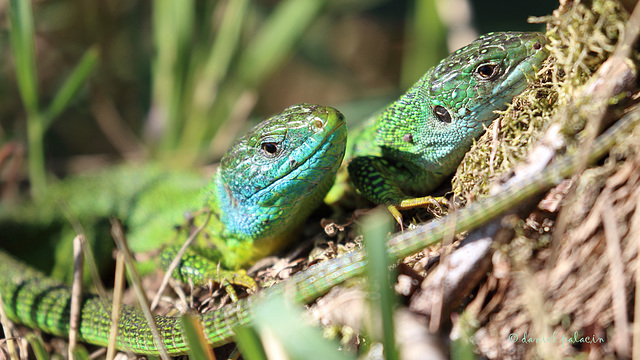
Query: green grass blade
[198,347]
[383,300]
[462,347]
[428,36]
[71,86]
[22,35]
[276,38]
[207,81]
[173,25]
[249,343]
[81,353]
[37,345]
[37,171]
[272,43]
[226,42]
[283,321]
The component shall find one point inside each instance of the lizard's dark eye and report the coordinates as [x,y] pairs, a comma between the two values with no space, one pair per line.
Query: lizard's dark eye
[442,114]
[487,71]
[269,148]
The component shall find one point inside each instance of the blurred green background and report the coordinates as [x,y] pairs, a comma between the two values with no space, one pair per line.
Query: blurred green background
[85,83]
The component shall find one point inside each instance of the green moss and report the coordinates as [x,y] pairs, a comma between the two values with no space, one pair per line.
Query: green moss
[580,38]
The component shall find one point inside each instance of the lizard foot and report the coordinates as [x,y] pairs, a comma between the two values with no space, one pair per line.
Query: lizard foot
[426,201]
[198,266]
[228,278]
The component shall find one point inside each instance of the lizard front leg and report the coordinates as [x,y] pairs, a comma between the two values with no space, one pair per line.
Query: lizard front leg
[198,266]
[380,180]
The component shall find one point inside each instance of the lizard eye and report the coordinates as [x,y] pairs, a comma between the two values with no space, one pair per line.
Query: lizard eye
[270,149]
[442,114]
[487,71]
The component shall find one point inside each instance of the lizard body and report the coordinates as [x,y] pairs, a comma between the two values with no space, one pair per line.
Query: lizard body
[266,186]
[410,147]
[257,199]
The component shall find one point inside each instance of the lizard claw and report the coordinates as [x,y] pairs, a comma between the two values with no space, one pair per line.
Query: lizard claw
[396,215]
[428,201]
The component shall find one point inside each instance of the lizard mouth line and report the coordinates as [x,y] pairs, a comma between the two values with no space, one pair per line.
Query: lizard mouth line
[334,130]
[321,149]
[498,103]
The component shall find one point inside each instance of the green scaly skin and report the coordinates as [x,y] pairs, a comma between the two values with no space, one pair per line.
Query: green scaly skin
[21,285]
[265,188]
[416,142]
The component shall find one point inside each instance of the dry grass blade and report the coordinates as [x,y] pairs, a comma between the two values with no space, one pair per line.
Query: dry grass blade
[117,231]
[6,328]
[616,276]
[118,291]
[76,292]
[634,233]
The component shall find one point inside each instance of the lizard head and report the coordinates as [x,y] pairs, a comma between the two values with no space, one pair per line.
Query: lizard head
[277,173]
[451,105]
[484,76]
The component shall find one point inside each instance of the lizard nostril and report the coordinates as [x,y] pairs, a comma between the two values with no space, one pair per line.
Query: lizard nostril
[537,46]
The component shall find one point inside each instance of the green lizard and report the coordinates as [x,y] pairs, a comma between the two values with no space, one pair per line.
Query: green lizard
[21,284]
[265,187]
[409,148]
